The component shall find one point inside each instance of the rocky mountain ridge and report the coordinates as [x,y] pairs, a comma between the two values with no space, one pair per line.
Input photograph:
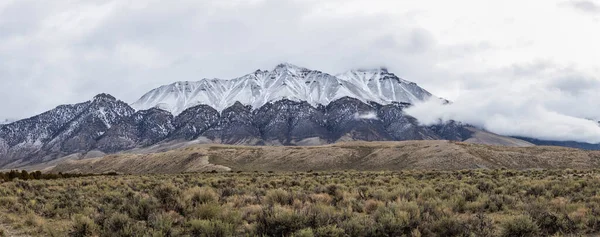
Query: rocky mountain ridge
[107,125]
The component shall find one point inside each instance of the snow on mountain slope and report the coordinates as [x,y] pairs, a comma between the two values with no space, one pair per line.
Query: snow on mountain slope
[385,86]
[285,81]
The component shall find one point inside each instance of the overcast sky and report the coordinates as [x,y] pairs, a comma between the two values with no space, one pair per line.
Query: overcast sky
[515,67]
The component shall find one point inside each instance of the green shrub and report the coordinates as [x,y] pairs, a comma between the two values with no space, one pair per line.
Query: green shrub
[168,195]
[450,226]
[210,228]
[8,202]
[163,223]
[322,215]
[481,225]
[358,225]
[308,232]
[207,211]
[329,231]
[83,226]
[520,226]
[278,196]
[119,224]
[32,220]
[197,196]
[142,208]
[392,223]
[279,221]
[349,203]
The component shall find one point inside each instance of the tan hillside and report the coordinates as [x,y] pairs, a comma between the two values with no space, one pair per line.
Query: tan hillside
[444,155]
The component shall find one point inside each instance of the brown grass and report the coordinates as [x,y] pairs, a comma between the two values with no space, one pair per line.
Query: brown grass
[340,203]
[366,156]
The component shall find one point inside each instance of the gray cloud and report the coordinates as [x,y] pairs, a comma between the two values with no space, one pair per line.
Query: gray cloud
[64,51]
[68,51]
[584,5]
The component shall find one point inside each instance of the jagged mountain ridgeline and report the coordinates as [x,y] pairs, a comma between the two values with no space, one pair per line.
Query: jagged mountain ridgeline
[285,81]
[288,105]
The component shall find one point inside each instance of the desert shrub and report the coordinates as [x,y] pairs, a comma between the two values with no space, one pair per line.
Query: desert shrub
[250,213]
[520,226]
[307,232]
[358,225]
[197,196]
[83,226]
[547,222]
[7,202]
[428,193]
[322,215]
[231,216]
[536,190]
[485,186]
[372,205]
[480,225]
[469,193]
[167,195]
[280,221]
[119,224]
[407,203]
[142,208]
[458,203]
[163,223]
[495,203]
[210,228]
[206,211]
[278,196]
[449,226]
[391,223]
[32,220]
[320,198]
[329,231]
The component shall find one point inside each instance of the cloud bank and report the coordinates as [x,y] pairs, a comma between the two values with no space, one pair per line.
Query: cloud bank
[537,60]
[560,109]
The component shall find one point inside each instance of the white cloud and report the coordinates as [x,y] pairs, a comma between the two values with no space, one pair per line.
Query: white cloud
[556,110]
[584,5]
[369,116]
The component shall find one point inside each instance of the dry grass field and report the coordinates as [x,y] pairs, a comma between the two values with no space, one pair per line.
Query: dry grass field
[362,156]
[487,202]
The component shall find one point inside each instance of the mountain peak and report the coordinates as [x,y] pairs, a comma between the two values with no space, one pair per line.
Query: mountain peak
[382,70]
[286,65]
[289,67]
[104,97]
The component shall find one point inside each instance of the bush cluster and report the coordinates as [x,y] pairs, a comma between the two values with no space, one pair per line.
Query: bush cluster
[24,175]
[407,203]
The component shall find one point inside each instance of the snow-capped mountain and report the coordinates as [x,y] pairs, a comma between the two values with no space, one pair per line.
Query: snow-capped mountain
[289,105]
[65,130]
[285,81]
[107,125]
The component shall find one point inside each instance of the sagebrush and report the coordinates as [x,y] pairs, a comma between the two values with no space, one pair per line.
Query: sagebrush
[407,203]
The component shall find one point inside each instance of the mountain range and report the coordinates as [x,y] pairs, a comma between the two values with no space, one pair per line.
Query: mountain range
[288,105]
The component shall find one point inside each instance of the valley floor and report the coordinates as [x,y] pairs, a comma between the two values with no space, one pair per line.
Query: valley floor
[361,156]
[490,202]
